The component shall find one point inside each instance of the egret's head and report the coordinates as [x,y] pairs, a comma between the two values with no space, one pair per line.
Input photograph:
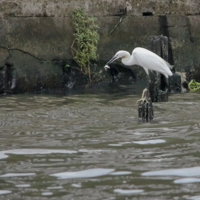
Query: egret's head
[119,54]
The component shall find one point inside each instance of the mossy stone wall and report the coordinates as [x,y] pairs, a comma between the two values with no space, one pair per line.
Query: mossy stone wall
[36,33]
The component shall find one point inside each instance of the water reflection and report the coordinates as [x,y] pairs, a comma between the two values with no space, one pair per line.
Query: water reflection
[187,180]
[192,171]
[8,175]
[91,146]
[2,192]
[127,192]
[89,173]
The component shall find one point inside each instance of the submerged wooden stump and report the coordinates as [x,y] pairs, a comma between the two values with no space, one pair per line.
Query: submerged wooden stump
[159,91]
[145,111]
[175,83]
[145,107]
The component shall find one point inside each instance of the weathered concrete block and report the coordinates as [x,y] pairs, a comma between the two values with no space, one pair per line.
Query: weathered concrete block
[127,35]
[24,73]
[43,29]
[4,55]
[60,8]
[194,27]
[45,38]
[179,33]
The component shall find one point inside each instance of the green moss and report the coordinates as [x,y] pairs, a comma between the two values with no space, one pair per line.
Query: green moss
[194,86]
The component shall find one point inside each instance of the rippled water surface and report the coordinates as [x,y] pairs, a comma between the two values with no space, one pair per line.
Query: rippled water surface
[90,146]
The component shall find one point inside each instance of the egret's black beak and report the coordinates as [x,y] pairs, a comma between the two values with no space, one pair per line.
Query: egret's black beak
[111,60]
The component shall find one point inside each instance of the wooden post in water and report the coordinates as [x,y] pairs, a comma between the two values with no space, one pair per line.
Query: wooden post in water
[158,90]
[159,87]
[145,107]
[145,111]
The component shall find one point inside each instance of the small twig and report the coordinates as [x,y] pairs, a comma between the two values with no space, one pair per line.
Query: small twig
[120,20]
[89,73]
[72,47]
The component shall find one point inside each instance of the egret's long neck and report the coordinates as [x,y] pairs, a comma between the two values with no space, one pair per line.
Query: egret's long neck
[127,59]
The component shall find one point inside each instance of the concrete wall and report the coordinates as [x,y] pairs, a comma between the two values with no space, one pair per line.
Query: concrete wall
[64,8]
[35,33]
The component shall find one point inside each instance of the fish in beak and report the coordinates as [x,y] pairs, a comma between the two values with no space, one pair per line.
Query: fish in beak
[106,67]
[110,61]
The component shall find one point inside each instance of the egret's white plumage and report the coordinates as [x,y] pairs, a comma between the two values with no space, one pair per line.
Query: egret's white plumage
[144,58]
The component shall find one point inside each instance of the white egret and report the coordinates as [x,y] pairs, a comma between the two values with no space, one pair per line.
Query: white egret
[144,58]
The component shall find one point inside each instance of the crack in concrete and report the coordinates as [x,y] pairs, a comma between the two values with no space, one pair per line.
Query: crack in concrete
[20,50]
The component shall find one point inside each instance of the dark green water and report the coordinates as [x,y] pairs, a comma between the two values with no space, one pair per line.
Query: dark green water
[91,146]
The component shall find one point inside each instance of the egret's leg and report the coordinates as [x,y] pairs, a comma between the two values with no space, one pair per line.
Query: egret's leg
[155,74]
[145,95]
[148,82]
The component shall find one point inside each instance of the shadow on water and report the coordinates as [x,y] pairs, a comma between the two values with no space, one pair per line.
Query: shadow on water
[89,145]
[115,88]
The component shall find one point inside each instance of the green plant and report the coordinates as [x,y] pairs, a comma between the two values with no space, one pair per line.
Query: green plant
[86,40]
[66,66]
